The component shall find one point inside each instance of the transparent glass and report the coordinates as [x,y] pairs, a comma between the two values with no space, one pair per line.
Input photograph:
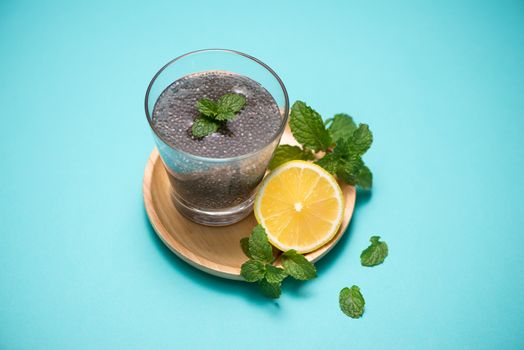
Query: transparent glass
[215,191]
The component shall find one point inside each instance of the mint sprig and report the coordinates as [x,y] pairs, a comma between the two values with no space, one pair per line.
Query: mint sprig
[259,268]
[342,142]
[214,114]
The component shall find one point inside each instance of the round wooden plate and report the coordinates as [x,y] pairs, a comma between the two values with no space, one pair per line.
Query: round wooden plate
[215,250]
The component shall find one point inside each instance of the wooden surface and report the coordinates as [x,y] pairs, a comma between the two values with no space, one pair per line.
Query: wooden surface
[215,250]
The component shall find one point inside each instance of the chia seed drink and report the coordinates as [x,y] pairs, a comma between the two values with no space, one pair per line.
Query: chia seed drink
[197,180]
[213,179]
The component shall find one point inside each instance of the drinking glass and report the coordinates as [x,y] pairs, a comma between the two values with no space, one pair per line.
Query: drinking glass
[215,191]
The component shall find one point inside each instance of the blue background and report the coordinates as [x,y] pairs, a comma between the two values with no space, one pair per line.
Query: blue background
[441,84]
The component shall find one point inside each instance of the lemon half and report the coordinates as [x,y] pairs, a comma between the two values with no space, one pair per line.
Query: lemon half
[300,205]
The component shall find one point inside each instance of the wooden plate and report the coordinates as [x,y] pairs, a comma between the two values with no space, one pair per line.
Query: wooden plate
[215,250]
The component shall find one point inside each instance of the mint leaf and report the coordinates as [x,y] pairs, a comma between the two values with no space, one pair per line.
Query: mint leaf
[253,270]
[351,302]
[375,253]
[347,165]
[341,148]
[207,107]
[285,153]
[307,127]
[274,274]
[329,162]
[270,290]
[259,247]
[225,116]
[244,244]
[360,140]
[297,266]
[348,169]
[230,103]
[203,126]
[364,178]
[333,161]
[213,114]
[342,126]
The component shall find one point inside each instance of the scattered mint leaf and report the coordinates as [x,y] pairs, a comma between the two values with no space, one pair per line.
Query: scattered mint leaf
[207,107]
[342,126]
[259,247]
[253,270]
[351,302]
[375,253]
[203,126]
[270,290]
[297,266]
[275,274]
[285,153]
[214,114]
[244,244]
[230,103]
[308,128]
[360,140]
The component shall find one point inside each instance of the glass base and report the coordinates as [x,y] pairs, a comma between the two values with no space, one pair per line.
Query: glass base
[214,217]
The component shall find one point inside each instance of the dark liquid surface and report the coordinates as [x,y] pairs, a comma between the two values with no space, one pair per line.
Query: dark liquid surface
[255,126]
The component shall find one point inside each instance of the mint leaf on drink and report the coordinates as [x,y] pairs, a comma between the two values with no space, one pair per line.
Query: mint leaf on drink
[275,274]
[270,290]
[225,116]
[259,247]
[207,107]
[351,302]
[253,270]
[231,103]
[285,153]
[215,114]
[297,266]
[308,128]
[203,126]
[375,254]
[342,126]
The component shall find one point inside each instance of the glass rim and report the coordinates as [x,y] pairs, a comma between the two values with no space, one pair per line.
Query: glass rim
[211,159]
